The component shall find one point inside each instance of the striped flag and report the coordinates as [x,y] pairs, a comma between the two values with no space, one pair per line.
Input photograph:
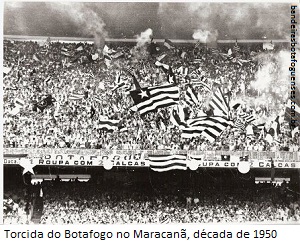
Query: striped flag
[236,48]
[107,124]
[214,51]
[167,162]
[169,44]
[219,104]
[152,98]
[191,95]
[248,117]
[197,44]
[183,70]
[177,117]
[201,82]
[76,96]
[66,52]
[208,127]
[240,124]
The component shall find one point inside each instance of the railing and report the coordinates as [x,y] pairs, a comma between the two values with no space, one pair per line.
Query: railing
[207,155]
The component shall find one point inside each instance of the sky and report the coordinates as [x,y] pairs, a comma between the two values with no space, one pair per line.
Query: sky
[166,20]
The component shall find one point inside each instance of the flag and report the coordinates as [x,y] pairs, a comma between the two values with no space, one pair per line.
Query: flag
[225,157]
[164,67]
[18,105]
[66,52]
[183,70]
[171,76]
[107,51]
[236,48]
[134,79]
[75,97]
[79,47]
[274,130]
[177,117]
[121,83]
[219,103]
[191,95]
[208,127]
[167,162]
[169,44]
[161,57]
[215,51]
[244,158]
[240,124]
[107,124]
[117,55]
[197,44]
[107,60]
[152,98]
[199,82]
[36,58]
[247,117]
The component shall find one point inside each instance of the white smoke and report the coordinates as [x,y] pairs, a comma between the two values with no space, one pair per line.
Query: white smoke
[141,50]
[231,20]
[86,19]
[144,37]
[205,36]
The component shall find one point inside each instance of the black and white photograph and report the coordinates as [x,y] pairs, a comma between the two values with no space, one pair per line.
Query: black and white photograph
[151,113]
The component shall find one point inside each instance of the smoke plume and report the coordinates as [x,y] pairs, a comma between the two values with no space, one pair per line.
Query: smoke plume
[205,36]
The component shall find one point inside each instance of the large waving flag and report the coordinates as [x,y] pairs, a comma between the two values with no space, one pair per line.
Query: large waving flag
[168,162]
[219,104]
[208,127]
[177,117]
[152,98]
[191,96]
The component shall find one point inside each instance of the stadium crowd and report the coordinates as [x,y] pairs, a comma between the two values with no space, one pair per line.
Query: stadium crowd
[57,94]
[82,203]
[16,207]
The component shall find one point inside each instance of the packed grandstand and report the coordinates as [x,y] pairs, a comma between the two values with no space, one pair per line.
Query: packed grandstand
[180,98]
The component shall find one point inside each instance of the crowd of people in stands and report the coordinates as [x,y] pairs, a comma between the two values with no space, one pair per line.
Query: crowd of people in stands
[82,203]
[16,207]
[56,101]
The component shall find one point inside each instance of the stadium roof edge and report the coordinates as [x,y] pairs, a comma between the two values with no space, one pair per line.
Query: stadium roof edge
[131,40]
